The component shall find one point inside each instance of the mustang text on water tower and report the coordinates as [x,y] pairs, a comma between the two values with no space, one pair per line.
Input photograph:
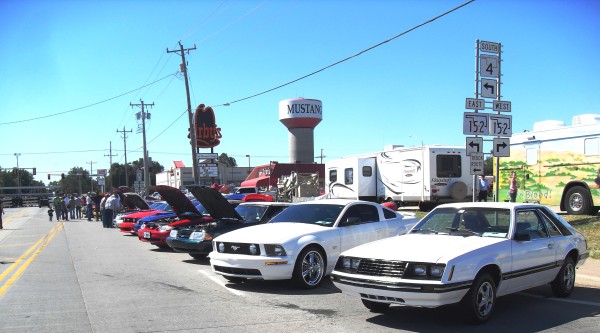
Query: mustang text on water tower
[300,112]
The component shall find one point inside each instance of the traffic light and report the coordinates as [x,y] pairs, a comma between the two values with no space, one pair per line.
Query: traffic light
[34,171]
[62,176]
[48,176]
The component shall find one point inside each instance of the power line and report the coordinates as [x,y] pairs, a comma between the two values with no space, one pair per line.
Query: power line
[87,106]
[348,58]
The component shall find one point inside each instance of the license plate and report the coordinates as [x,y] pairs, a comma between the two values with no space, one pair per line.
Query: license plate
[146,234]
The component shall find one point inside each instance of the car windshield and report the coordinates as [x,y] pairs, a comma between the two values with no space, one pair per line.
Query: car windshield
[251,213]
[476,221]
[162,206]
[321,214]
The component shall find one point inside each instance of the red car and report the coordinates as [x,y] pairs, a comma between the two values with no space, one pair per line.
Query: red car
[126,221]
[156,232]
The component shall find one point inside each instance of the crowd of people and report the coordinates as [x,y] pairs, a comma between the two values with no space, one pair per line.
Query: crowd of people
[90,206]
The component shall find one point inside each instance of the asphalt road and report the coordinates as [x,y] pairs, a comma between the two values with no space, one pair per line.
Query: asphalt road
[79,277]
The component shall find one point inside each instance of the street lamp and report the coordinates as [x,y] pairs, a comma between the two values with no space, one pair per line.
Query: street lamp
[248,163]
[18,172]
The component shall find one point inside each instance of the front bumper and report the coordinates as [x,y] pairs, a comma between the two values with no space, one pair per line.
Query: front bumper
[252,267]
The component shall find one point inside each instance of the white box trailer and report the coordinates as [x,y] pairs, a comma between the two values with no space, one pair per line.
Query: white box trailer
[423,176]
[556,165]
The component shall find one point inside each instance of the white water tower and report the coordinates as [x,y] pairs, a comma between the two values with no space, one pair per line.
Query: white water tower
[301,116]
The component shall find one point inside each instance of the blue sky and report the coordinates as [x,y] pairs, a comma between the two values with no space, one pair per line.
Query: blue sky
[70,69]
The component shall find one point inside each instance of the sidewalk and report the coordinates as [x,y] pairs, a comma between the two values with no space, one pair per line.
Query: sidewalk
[588,275]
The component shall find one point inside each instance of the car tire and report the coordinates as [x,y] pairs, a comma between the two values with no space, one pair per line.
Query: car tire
[481,299]
[309,268]
[564,282]
[577,201]
[376,307]
[198,255]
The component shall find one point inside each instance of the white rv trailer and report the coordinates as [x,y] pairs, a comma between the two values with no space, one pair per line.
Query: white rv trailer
[556,164]
[423,176]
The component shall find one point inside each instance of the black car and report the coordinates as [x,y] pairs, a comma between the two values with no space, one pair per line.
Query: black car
[197,240]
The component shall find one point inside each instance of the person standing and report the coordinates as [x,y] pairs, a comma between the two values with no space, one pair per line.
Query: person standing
[56,202]
[112,204]
[514,187]
[77,206]
[50,213]
[89,204]
[64,208]
[97,199]
[1,213]
[483,189]
[71,206]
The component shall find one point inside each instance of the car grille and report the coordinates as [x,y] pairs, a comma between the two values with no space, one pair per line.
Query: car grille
[240,248]
[377,267]
[184,233]
[237,271]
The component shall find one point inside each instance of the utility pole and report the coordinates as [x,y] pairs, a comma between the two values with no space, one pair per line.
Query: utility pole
[125,154]
[110,154]
[321,156]
[91,179]
[18,173]
[183,68]
[146,167]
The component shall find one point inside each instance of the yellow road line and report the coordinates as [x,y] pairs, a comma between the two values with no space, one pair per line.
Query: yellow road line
[38,247]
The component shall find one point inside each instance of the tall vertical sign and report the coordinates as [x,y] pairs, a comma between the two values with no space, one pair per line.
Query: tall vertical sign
[487,96]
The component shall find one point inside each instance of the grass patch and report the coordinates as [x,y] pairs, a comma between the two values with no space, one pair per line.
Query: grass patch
[589,226]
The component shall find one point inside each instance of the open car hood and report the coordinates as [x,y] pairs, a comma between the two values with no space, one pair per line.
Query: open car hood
[132,200]
[174,197]
[217,206]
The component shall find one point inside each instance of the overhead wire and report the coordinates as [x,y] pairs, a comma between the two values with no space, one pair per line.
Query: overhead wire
[86,106]
[347,58]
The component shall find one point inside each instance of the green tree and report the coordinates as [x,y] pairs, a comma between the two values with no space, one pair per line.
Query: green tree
[228,161]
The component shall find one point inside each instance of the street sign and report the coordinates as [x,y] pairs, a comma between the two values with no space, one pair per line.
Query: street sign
[500,125]
[489,47]
[101,172]
[206,156]
[475,104]
[477,162]
[501,147]
[488,66]
[489,88]
[502,106]
[208,170]
[474,145]
[475,123]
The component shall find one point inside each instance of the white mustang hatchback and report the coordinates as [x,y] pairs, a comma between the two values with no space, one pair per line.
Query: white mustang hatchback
[303,242]
[465,252]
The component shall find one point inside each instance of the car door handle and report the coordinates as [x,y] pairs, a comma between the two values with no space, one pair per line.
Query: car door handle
[550,245]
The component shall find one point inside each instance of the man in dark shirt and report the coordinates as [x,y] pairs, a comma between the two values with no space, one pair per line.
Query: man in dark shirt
[97,199]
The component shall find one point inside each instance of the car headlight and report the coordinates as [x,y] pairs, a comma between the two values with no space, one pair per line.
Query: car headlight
[426,271]
[220,247]
[347,264]
[173,234]
[275,250]
[143,226]
[253,248]
[165,228]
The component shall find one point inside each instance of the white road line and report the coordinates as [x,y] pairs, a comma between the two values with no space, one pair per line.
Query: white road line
[564,300]
[219,280]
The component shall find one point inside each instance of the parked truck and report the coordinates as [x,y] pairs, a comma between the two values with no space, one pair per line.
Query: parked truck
[556,165]
[425,176]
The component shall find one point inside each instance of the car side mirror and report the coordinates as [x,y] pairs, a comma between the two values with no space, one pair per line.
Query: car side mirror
[522,237]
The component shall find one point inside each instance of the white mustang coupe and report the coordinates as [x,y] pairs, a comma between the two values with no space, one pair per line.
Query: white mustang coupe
[465,252]
[303,242]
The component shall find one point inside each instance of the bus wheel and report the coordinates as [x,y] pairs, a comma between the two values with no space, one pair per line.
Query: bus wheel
[578,202]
